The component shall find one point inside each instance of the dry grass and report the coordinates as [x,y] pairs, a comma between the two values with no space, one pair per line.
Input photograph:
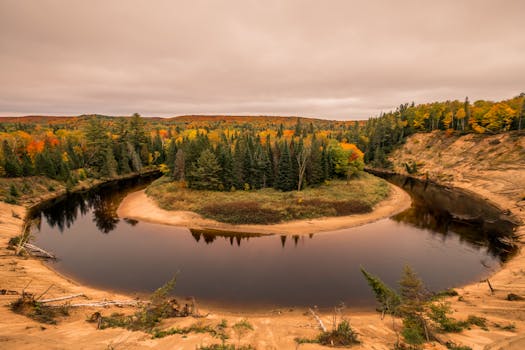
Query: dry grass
[268,206]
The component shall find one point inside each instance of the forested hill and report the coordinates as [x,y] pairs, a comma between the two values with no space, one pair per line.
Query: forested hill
[245,151]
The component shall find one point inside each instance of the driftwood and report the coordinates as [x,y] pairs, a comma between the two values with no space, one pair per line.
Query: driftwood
[67,297]
[321,324]
[39,251]
[109,303]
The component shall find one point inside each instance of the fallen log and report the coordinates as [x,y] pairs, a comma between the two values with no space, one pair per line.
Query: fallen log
[67,297]
[41,251]
[321,324]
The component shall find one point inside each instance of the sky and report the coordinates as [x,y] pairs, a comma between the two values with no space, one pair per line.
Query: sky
[332,59]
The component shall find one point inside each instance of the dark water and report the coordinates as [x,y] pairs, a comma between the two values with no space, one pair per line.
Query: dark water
[97,248]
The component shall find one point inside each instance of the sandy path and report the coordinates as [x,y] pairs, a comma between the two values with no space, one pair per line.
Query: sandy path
[139,206]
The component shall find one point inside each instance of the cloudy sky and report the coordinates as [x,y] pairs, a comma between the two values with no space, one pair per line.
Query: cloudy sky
[330,59]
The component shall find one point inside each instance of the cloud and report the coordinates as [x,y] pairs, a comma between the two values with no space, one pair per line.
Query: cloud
[338,59]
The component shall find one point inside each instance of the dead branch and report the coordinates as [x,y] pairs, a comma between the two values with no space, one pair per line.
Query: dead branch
[45,292]
[321,324]
[67,297]
[490,286]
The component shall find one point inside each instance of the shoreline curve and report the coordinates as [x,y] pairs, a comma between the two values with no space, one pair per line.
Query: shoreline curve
[138,206]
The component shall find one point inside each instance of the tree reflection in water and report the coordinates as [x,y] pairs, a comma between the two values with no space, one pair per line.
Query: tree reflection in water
[62,212]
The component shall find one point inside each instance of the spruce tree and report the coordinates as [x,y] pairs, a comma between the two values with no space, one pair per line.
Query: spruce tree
[284,180]
[11,164]
[205,173]
[28,168]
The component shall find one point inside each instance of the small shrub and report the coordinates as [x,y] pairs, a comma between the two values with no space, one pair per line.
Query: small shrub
[447,293]
[27,305]
[13,191]
[241,328]
[10,200]
[149,315]
[306,341]
[343,335]
[514,297]
[481,322]
[452,346]
[226,347]
[438,313]
[199,327]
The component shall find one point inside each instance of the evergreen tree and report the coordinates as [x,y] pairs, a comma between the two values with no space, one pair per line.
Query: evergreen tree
[123,159]
[109,169]
[314,169]
[11,164]
[28,168]
[171,154]
[238,166]
[285,181]
[205,173]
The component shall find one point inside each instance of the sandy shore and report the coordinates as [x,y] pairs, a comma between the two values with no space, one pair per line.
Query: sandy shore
[140,207]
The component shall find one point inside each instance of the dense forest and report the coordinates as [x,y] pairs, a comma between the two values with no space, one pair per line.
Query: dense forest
[234,152]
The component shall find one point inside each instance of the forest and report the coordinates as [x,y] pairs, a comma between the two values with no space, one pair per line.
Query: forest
[226,153]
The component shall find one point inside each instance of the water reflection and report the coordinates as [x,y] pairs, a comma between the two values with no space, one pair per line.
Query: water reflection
[444,248]
[434,208]
[102,202]
[210,235]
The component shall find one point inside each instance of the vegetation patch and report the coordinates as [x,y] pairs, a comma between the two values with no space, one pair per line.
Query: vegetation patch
[161,306]
[342,335]
[269,206]
[423,316]
[28,306]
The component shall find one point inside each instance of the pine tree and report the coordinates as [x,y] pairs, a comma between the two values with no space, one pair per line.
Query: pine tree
[385,296]
[314,170]
[284,180]
[11,164]
[109,168]
[412,308]
[123,159]
[171,154]
[238,165]
[28,168]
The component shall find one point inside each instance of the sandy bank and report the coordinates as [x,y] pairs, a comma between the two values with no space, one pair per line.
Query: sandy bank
[139,206]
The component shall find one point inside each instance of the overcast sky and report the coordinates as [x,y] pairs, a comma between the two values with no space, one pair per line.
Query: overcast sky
[329,59]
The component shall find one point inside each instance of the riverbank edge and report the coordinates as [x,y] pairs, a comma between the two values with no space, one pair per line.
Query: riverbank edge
[139,206]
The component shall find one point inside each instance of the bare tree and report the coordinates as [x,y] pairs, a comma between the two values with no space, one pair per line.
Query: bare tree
[302,160]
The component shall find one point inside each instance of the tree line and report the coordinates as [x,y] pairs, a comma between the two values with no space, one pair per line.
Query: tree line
[229,152]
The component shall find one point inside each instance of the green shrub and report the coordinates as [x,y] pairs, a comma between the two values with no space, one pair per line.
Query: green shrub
[342,335]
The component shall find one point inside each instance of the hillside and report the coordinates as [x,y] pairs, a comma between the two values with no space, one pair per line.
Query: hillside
[494,168]
[482,163]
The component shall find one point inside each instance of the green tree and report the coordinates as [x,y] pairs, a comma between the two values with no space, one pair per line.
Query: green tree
[412,308]
[284,170]
[388,299]
[205,174]
[11,163]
